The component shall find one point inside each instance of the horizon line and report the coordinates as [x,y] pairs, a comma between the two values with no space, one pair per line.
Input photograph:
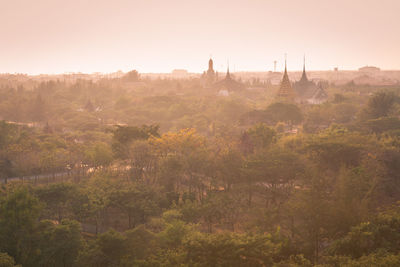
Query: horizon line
[182,69]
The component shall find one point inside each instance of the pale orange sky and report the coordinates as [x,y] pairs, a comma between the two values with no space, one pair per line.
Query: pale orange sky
[54,36]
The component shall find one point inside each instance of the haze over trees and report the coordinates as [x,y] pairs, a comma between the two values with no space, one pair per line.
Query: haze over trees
[138,172]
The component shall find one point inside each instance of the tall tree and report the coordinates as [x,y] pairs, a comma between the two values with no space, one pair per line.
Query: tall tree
[19,213]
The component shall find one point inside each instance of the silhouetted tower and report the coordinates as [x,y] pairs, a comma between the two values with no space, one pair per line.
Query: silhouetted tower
[210,74]
[210,66]
[228,75]
[304,75]
[286,92]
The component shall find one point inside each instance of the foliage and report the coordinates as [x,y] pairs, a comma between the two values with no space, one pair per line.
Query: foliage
[380,104]
[285,112]
[6,260]
[206,180]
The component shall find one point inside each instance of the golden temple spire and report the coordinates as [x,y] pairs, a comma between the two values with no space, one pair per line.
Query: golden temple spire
[286,92]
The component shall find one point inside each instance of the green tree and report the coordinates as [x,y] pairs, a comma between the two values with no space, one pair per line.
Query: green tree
[99,155]
[275,170]
[108,250]
[309,214]
[381,233]
[381,125]
[261,136]
[137,201]
[288,113]
[59,244]
[58,198]
[124,135]
[141,244]
[229,250]
[132,76]
[19,213]
[7,261]
[336,148]
[380,105]
[229,164]
[143,162]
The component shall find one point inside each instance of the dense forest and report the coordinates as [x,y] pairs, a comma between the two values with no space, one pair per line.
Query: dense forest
[159,172]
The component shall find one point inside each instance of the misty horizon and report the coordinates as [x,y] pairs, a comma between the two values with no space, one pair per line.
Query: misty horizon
[222,69]
[56,37]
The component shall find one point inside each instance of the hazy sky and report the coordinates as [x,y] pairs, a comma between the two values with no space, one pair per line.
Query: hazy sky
[56,36]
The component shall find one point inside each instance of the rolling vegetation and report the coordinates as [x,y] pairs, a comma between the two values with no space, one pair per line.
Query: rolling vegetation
[140,172]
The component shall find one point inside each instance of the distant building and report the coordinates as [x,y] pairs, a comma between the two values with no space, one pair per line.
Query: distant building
[309,92]
[369,69]
[274,77]
[179,73]
[229,84]
[210,72]
[286,92]
[320,96]
[210,76]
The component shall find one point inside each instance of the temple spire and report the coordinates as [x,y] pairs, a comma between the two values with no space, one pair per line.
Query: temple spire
[286,92]
[228,76]
[304,75]
[210,65]
[285,65]
[210,75]
[285,75]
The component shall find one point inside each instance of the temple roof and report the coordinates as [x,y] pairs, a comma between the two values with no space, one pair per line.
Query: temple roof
[320,93]
[229,83]
[306,89]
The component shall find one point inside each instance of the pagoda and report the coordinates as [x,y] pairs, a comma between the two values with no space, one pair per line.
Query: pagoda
[210,71]
[286,92]
[210,76]
[307,91]
[229,83]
